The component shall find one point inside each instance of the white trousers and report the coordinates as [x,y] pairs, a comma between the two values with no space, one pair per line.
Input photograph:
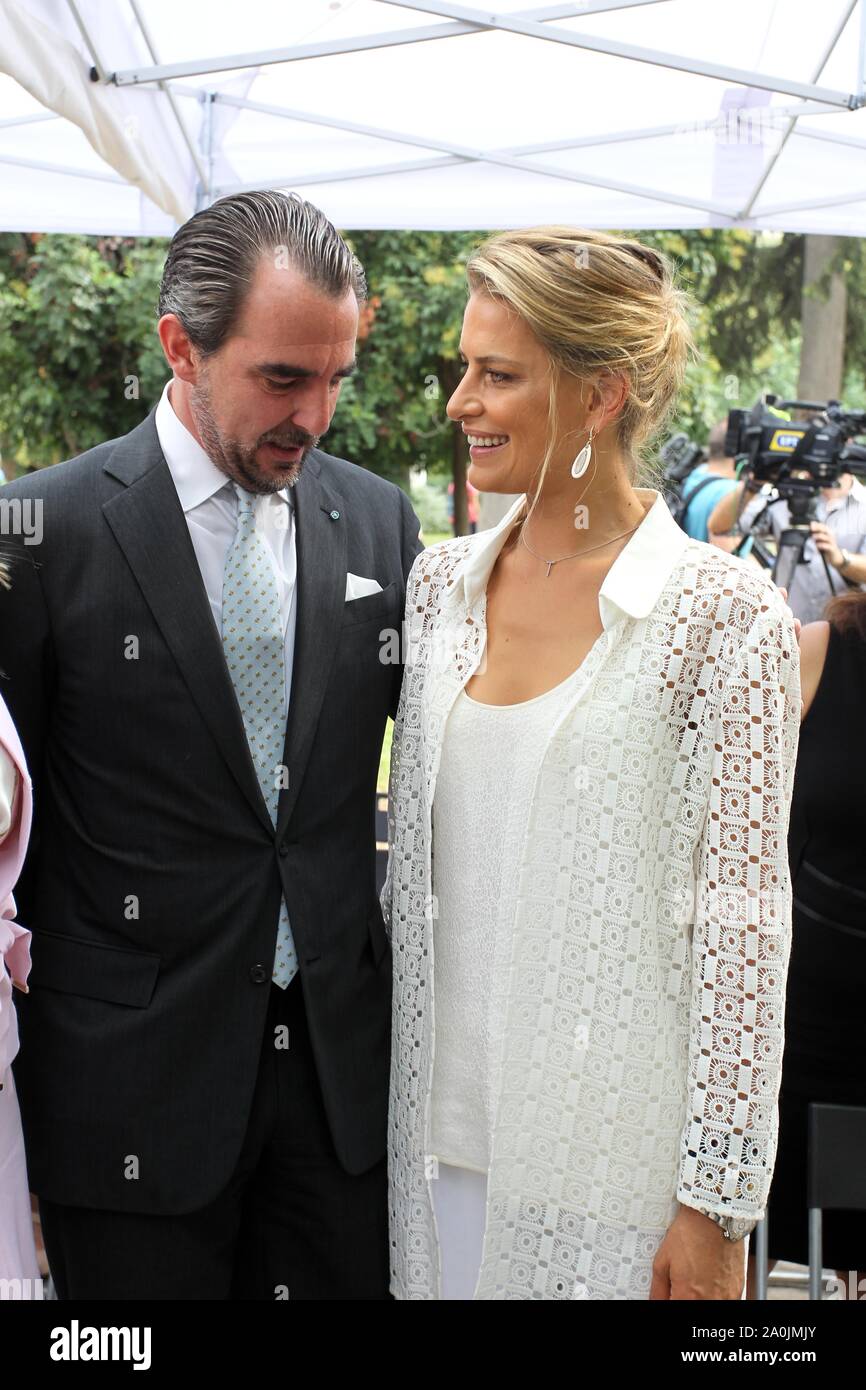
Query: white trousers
[460,1204]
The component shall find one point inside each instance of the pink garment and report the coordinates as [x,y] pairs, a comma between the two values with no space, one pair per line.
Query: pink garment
[17,1248]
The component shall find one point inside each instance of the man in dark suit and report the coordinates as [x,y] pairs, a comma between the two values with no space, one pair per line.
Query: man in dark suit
[193,655]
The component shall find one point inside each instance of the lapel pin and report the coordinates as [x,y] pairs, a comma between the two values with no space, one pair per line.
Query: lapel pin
[334,515]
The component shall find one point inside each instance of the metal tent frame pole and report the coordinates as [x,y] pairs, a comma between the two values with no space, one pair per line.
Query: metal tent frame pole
[455,21]
[360,43]
[529,24]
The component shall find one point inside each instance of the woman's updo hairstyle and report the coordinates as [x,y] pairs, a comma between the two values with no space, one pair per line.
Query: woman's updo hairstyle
[594,302]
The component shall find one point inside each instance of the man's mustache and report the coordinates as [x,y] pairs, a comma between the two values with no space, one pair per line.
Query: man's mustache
[294,439]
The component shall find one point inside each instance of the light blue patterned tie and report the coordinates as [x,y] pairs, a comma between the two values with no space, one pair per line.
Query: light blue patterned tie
[252,632]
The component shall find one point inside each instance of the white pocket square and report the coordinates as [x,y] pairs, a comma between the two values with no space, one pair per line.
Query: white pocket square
[357,586]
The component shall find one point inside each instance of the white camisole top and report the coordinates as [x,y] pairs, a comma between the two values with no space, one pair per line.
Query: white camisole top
[489,760]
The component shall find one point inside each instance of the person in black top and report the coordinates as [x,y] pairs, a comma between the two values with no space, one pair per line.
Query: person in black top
[824,1050]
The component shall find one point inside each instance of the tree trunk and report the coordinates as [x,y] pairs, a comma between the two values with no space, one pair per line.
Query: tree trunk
[822,358]
[449,378]
[458,459]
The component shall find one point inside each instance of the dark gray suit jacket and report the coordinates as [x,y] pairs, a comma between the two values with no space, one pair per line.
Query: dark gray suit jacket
[153,880]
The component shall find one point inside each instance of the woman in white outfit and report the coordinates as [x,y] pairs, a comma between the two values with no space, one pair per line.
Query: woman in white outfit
[587,894]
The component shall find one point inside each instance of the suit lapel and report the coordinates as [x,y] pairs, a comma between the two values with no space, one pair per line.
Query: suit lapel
[150,527]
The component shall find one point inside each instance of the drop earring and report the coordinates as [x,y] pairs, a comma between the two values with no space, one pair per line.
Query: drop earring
[581,463]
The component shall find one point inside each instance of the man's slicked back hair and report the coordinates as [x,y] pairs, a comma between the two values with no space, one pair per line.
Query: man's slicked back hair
[213,257]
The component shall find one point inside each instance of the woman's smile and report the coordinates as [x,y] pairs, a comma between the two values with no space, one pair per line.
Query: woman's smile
[481,446]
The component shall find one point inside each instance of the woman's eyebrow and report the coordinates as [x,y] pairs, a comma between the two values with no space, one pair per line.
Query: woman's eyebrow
[493,357]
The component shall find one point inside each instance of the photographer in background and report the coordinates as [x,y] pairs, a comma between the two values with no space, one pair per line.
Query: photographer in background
[705,487]
[826,981]
[839,534]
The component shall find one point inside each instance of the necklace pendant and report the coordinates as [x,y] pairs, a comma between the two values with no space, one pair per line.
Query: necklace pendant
[549,566]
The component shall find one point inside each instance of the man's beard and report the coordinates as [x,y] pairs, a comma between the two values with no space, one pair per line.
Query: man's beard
[236,460]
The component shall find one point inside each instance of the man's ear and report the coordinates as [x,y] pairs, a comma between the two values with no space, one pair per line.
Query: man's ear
[180,353]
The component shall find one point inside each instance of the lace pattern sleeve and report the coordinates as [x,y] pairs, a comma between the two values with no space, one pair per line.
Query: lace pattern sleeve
[742,929]
[406,645]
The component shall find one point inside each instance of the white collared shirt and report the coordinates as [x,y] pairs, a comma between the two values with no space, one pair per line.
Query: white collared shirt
[633,582]
[210,506]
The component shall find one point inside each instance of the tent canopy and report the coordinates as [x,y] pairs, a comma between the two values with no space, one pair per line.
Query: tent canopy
[125,116]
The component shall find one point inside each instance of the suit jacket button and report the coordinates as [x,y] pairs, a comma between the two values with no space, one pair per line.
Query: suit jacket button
[284,848]
[258,974]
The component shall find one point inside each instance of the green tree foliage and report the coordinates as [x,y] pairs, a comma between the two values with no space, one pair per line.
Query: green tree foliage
[80,361]
[79,358]
[408,357]
[748,290]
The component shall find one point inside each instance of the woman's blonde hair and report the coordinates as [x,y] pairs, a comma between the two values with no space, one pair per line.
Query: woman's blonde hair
[596,302]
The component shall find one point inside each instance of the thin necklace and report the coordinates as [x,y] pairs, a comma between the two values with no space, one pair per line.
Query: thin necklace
[551,563]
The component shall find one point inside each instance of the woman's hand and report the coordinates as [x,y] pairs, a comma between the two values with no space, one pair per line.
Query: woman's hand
[696,1260]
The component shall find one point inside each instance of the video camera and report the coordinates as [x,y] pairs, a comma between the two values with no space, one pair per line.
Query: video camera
[678,457]
[798,458]
[774,449]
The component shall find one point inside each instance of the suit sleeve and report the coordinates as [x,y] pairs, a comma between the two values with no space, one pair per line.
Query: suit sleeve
[742,930]
[411,547]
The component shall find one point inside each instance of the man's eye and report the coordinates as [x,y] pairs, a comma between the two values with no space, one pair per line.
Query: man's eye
[279,385]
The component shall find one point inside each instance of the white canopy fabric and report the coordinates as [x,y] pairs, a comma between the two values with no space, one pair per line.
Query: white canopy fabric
[426,114]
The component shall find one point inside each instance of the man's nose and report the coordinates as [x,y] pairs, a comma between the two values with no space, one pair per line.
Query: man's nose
[314,408]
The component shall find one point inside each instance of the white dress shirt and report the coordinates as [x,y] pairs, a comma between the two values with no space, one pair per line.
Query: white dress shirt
[210,506]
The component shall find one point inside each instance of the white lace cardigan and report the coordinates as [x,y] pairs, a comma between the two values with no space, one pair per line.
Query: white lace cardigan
[645,988]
